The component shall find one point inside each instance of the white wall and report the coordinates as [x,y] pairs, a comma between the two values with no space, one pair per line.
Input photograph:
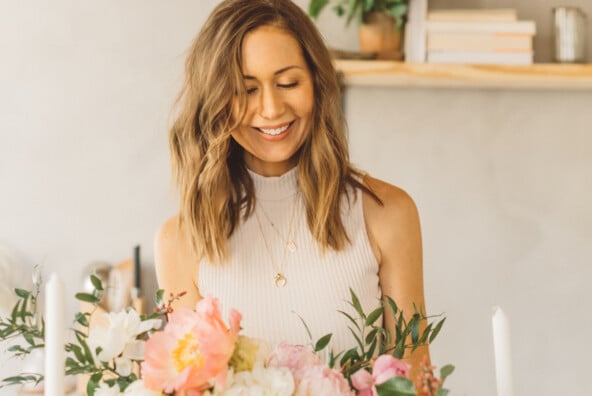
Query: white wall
[501,178]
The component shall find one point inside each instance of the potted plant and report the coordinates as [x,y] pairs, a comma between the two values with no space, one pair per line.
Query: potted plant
[380,22]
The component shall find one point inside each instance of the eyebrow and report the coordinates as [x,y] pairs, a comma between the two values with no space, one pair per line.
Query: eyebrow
[280,71]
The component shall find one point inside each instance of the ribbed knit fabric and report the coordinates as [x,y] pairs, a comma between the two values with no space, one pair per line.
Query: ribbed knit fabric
[317,285]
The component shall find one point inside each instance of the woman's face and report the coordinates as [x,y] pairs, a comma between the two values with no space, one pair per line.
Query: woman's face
[280,99]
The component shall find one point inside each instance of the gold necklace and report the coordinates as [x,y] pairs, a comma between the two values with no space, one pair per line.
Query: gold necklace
[279,280]
[290,244]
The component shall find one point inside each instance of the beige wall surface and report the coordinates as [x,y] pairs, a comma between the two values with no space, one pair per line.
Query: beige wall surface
[502,179]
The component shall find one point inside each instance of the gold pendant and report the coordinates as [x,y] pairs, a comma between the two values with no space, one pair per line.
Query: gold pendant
[279,280]
[291,246]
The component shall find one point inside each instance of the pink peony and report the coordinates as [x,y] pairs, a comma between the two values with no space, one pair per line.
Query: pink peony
[193,349]
[294,357]
[320,380]
[312,377]
[384,368]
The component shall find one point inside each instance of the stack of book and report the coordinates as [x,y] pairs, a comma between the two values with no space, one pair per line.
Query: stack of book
[486,36]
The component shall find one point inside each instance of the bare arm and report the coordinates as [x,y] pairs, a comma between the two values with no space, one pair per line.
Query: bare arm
[176,267]
[396,236]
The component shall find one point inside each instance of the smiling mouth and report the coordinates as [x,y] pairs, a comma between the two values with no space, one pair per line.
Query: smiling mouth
[275,131]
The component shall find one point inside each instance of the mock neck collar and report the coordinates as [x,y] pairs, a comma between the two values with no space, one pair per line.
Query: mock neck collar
[275,187]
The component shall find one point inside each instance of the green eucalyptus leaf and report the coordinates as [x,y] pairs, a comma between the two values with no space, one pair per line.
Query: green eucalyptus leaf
[87,298]
[322,342]
[78,353]
[442,392]
[396,386]
[96,282]
[82,319]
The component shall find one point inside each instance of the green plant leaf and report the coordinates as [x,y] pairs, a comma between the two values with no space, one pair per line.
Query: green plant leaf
[371,335]
[414,324]
[442,392]
[322,342]
[397,11]
[351,354]
[392,305]
[396,386]
[372,348]
[159,298]
[22,293]
[436,330]
[87,298]
[373,316]
[425,335]
[96,282]
[445,371]
[339,10]
[305,326]
[315,7]
[351,319]
[355,302]
[82,319]
[358,340]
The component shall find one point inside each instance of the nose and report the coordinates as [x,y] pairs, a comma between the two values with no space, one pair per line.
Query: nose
[272,105]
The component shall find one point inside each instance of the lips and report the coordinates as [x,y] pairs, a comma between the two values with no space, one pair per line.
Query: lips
[275,130]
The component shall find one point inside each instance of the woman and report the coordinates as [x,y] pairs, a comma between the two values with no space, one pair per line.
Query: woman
[274,220]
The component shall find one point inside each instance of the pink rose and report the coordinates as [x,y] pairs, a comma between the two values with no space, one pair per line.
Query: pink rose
[384,368]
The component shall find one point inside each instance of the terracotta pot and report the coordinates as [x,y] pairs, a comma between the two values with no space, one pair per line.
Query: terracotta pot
[378,33]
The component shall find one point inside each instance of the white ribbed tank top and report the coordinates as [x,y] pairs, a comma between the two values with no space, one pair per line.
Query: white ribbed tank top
[317,285]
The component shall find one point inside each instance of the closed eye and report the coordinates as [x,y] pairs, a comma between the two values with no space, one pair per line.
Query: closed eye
[291,85]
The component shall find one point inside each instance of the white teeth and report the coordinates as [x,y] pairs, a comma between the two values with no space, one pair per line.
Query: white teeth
[274,132]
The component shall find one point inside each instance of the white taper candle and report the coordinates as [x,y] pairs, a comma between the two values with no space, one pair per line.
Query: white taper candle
[54,337]
[501,348]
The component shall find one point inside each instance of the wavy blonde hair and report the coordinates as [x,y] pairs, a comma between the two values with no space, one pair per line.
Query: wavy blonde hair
[208,167]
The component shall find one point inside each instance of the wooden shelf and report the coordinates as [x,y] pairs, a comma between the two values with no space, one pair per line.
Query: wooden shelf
[399,74]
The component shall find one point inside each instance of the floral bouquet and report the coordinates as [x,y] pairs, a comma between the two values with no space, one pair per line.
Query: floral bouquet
[198,353]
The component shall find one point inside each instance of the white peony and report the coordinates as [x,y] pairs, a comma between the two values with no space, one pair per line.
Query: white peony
[118,338]
[105,390]
[137,389]
[261,381]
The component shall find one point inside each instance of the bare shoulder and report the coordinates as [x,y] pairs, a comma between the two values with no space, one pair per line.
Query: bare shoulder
[175,264]
[392,218]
